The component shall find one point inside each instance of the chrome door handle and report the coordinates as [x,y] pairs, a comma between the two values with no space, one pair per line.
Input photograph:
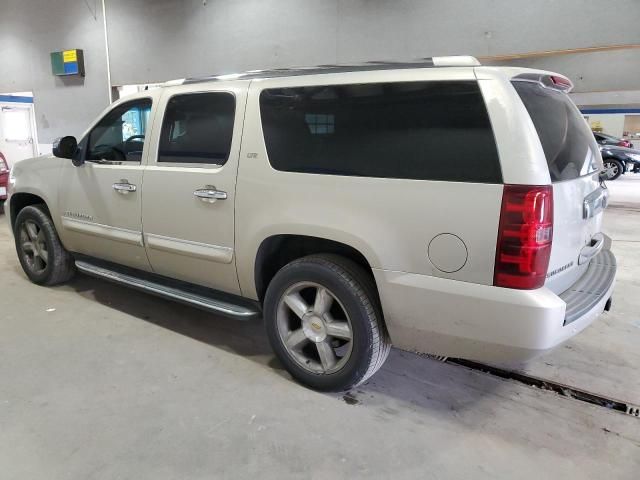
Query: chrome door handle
[210,194]
[124,187]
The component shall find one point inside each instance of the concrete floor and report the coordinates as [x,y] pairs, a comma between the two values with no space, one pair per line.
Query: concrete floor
[101,382]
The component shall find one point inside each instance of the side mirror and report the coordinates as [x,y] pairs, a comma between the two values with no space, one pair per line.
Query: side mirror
[65,147]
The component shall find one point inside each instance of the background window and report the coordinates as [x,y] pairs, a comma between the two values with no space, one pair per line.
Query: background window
[320,124]
[120,135]
[413,130]
[197,128]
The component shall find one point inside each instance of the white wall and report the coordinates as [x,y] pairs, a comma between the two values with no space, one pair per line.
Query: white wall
[619,97]
[612,124]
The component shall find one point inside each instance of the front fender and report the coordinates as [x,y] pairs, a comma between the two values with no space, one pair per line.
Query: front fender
[37,176]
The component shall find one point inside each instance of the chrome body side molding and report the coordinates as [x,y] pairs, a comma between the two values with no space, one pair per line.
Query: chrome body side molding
[213,253]
[105,231]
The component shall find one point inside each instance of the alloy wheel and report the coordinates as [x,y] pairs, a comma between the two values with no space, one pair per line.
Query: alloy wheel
[314,328]
[34,246]
[611,169]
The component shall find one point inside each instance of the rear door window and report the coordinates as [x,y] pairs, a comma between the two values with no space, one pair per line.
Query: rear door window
[197,128]
[566,138]
[411,130]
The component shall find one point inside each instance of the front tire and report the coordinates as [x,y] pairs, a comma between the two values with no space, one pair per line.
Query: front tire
[42,256]
[612,168]
[324,322]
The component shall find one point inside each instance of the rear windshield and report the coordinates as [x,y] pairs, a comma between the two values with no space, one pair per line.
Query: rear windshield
[566,138]
[411,130]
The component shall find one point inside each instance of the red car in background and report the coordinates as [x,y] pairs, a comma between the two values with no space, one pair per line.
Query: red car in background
[604,139]
[4,179]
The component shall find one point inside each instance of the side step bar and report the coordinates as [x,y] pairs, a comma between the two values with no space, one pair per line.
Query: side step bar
[205,302]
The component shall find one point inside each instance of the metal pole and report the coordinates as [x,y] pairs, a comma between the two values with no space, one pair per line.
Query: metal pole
[106,47]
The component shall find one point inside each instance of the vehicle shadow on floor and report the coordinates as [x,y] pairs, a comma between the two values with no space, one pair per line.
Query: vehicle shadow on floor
[406,377]
[243,337]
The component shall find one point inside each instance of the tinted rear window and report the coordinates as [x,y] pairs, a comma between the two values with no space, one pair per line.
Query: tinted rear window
[415,130]
[197,128]
[565,136]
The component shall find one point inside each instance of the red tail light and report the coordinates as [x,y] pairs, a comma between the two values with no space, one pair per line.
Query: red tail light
[624,143]
[4,166]
[524,236]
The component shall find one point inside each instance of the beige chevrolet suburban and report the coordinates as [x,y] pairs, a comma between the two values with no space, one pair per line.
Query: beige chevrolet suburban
[441,206]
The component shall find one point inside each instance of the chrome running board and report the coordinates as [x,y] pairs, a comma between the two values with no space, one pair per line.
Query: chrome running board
[207,302]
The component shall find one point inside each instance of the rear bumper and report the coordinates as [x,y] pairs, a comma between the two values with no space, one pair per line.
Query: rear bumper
[487,323]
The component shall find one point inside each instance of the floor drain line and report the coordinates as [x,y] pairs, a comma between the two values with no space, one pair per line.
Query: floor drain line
[558,388]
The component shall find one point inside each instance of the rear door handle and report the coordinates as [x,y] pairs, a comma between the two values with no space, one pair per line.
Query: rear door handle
[210,194]
[124,187]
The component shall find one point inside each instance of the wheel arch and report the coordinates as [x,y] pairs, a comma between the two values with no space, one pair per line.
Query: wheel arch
[276,251]
[20,200]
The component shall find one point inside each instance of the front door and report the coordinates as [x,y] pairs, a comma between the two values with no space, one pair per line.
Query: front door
[189,187]
[100,200]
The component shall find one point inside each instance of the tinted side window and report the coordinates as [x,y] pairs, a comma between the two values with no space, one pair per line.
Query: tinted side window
[415,130]
[119,136]
[565,136]
[197,128]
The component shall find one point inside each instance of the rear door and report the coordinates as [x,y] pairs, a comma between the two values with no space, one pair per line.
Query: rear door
[189,185]
[574,165]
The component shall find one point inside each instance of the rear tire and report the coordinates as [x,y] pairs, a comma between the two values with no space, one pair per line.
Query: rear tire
[42,256]
[613,168]
[324,322]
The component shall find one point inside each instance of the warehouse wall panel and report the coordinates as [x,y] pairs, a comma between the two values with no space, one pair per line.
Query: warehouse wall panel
[29,31]
[154,40]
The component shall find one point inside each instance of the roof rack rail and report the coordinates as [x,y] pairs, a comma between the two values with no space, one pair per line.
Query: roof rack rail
[372,65]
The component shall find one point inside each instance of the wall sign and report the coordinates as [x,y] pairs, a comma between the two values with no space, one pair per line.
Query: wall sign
[68,62]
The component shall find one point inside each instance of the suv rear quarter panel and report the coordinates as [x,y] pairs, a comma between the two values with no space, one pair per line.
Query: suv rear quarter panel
[521,156]
[390,221]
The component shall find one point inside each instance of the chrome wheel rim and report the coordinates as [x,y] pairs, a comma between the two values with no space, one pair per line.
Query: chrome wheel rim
[611,169]
[34,246]
[314,328]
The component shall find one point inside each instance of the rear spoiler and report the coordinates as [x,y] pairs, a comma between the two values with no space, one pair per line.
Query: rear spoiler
[547,80]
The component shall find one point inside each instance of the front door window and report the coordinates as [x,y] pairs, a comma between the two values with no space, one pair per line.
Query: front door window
[120,135]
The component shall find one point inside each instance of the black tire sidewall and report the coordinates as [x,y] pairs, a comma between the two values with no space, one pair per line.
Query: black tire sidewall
[43,222]
[358,364]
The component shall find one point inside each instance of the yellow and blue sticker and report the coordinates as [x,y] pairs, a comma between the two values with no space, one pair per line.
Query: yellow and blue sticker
[67,62]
